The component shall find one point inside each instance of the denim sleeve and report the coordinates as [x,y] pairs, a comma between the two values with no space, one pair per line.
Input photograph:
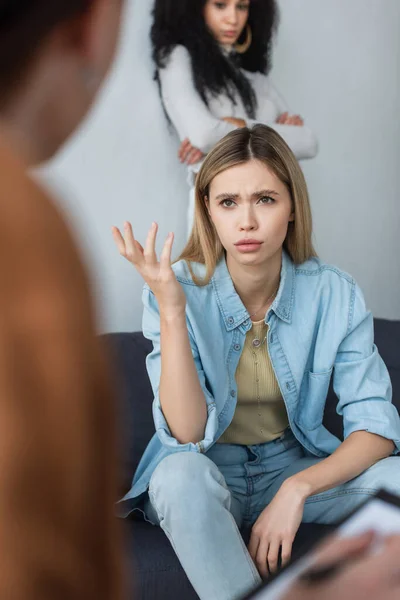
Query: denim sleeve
[151,330]
[361,380]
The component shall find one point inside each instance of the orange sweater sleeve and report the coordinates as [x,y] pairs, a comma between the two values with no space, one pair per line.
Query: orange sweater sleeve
[58,536]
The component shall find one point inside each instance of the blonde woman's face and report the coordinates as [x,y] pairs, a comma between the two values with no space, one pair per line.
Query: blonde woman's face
[226,19]
[251,209]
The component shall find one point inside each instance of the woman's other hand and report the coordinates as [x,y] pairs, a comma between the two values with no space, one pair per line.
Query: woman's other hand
[274,531]
[189,154]
[286,119]
[158,274]
[235,121]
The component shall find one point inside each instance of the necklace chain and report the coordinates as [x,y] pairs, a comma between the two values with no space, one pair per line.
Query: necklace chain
[266,302]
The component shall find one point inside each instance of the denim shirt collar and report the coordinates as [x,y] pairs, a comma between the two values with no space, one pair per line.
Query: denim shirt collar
[232,308]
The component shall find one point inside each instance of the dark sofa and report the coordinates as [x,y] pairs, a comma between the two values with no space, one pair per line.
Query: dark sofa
[154,571]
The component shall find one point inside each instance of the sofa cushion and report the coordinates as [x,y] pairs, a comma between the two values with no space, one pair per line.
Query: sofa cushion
[135,425]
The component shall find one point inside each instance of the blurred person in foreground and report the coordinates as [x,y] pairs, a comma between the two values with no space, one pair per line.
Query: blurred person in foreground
[57,530]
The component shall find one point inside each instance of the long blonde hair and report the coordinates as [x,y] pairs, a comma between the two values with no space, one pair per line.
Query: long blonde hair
[264,144]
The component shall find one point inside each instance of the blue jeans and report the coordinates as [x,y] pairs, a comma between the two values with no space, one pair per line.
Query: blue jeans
[201,501]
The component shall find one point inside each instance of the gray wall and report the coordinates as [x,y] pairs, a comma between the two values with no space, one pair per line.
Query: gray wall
[338,61]
[337,64]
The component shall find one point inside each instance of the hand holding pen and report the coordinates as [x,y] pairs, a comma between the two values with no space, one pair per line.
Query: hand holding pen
[348,569]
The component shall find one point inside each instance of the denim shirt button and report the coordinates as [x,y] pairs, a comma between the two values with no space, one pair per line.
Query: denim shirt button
[236,347]
[288,386]
[231,320]
[233,393]
[271,338]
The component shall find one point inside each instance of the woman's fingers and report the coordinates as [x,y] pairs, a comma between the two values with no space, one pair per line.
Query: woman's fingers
[295,120]
[286,119]
[199,156]
[150,245]
[189,155]
[282,118]
[253,546]
[261,558]
[188,149]
[184,149]
[131,249]
[338,548]
[165,257]
[181,148]
[119,241]
[286,552]
[194,156]
[389,558]
[265,554]
[273,555]
[139,247]
[127,246]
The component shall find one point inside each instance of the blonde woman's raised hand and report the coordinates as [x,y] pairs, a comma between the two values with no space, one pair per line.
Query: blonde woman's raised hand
[158,274]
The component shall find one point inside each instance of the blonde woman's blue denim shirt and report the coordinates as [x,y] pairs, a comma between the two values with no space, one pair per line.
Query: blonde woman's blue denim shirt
[319,328]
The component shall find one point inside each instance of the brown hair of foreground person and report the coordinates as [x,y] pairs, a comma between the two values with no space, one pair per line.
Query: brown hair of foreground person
[58,537]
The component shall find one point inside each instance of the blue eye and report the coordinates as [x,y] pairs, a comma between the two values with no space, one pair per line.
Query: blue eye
[268,200]
[243,7]
[223,203]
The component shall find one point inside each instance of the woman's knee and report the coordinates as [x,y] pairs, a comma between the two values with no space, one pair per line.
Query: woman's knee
[185,475]
[385,474]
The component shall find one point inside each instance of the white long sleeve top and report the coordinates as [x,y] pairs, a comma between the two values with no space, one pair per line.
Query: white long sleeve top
[203,124]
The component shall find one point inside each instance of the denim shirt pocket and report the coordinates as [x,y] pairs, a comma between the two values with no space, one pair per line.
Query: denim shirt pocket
[310,410]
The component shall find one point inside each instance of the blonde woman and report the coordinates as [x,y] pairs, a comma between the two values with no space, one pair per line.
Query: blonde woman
[248,328]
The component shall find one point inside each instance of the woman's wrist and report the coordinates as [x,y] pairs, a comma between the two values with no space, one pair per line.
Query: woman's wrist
[298,486]
[173,316]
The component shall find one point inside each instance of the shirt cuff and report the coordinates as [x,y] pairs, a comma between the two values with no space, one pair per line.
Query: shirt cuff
[378,416]
[172,443]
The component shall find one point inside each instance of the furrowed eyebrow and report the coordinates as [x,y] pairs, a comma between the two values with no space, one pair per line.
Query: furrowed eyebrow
[265,193]
[227,196]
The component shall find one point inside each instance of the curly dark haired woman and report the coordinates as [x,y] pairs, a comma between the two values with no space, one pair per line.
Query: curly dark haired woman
[212,62]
